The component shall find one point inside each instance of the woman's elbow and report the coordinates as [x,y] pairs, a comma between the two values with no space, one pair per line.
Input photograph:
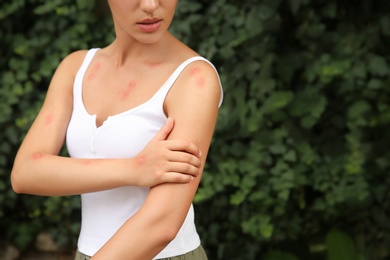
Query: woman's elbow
[15,183]
[169,232]
[17,180]
[169,235]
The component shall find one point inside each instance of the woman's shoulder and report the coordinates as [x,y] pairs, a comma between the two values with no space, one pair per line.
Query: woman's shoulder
[199,82]
[194,62]
[196,66]
[69,66]
[75,58]
[66,71]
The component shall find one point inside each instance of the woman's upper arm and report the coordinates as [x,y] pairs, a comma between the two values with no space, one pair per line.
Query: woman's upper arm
[193,104]
[47,132]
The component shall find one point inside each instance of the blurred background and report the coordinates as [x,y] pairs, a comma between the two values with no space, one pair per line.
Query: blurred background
[299,163]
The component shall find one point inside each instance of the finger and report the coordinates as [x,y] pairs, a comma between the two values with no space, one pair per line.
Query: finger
[184,146]
[184,157]
[164,132]
[176,177]
[184,168]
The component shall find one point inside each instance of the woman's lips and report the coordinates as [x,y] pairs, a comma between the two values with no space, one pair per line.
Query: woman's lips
[149,25]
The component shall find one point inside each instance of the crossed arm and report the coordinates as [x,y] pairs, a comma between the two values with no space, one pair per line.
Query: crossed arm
[39,170]
[194,106]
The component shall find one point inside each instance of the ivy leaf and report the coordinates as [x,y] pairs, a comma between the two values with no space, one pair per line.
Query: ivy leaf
[378,66]
[290,156]
[358,109]
[340,246]
[237,198]
[278,100]
[279,255]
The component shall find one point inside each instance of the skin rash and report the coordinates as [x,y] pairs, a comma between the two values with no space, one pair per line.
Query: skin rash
[89,162]
[200,81]
[140,160]
[124,94]
[94,71]
[195,71]
[48,119]
[153,65]
[37,156]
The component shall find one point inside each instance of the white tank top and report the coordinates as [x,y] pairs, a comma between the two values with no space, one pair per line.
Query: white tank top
[122,135]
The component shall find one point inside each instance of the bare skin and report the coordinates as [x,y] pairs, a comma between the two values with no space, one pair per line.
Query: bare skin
[37,159]
[135,65]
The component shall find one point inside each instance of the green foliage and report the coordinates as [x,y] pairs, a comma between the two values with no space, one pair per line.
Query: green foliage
[340,246]
[301,145]
[275,255]
[30,52]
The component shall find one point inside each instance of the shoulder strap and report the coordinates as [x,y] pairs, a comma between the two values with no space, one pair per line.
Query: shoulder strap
[78,82]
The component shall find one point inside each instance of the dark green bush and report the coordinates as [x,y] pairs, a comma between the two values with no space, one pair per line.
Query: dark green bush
[297,168]
[35,36]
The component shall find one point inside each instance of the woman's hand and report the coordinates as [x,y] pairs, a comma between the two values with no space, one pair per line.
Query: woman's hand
[167,161]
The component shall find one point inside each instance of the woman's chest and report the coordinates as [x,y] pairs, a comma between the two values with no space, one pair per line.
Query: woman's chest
[107,92]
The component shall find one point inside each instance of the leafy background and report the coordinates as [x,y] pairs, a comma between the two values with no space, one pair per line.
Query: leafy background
[299,161]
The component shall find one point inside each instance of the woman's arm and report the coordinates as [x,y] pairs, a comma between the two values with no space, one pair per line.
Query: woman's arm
[193,103]
[39,170]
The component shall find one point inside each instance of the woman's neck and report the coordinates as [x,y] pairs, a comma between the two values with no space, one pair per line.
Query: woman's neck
[124,50]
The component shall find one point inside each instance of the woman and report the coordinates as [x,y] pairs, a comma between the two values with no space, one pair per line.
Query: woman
[138,118]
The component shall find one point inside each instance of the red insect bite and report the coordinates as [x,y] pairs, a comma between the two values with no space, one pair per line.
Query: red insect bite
[131,85]
[90,76]
[195,71]
[37,156]
[140,160]
[123,94]
[153,65]
[88,162]
[94,71]
[200,82]
[48,119]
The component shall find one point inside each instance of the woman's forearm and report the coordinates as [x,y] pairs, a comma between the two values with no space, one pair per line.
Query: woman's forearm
[161,161]
[154,226]
[51,175]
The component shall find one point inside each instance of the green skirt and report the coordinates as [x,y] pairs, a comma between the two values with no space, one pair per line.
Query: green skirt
[197,254]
